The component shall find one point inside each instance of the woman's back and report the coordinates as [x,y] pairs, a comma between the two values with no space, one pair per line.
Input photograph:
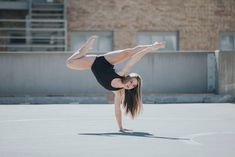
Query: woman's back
[104,72]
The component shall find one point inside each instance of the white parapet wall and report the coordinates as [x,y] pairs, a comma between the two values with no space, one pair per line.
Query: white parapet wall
[45,74]
[226,77]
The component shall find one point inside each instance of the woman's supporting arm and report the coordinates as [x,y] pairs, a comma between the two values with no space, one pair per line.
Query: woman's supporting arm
[118,112]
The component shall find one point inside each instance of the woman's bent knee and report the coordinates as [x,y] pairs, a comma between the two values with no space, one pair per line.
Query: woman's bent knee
[68,64]
[80,64]
[72,64]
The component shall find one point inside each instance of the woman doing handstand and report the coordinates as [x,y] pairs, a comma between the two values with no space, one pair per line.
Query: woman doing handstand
[125,86]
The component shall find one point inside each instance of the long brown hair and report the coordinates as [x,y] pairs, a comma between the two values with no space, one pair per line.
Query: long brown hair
[132,101]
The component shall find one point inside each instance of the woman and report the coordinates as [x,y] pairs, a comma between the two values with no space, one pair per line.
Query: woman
[126,87]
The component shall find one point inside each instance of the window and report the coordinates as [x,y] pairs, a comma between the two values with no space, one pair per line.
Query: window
[227,41]
[171,39]
[104,42]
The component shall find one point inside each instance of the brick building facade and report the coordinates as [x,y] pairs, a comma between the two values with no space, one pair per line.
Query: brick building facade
[198,22]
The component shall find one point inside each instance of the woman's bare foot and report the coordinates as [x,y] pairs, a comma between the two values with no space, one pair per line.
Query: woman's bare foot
[158,45]
[85,48]
[155,46]
[90,42]
[88,45]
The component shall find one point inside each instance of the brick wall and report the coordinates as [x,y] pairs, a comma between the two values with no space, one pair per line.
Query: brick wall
[197,21]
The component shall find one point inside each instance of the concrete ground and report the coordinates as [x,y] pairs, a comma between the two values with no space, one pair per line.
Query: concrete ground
[164,130]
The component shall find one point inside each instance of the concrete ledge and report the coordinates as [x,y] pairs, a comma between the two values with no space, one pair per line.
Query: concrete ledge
[147,99]
[188,98]
[53,100]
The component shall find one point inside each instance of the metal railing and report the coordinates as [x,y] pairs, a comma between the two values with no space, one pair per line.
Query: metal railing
[23,35]
[66,24]
[32,34]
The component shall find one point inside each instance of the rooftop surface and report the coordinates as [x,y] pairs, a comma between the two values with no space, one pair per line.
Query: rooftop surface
[164,130]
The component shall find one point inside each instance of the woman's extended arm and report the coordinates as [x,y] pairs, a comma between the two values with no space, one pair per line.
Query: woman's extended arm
[137,56]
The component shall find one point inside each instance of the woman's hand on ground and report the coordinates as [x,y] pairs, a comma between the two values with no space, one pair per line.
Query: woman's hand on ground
[124,130]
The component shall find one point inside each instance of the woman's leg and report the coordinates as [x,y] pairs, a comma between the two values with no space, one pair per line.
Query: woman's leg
[119,56]
[79,60]
[84,49]
[83,63]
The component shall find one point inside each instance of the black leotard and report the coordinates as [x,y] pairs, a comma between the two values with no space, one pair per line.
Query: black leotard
[104,72]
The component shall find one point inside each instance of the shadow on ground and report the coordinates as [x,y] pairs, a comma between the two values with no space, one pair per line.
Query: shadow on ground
[136,134]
